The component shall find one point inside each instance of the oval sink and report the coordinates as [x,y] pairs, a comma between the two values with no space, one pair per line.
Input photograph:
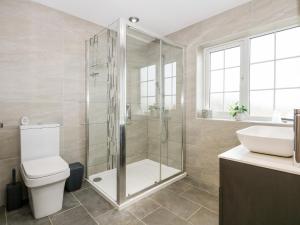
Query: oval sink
[269,140]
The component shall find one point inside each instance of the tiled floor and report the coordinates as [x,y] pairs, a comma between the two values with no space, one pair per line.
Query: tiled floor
[179,204]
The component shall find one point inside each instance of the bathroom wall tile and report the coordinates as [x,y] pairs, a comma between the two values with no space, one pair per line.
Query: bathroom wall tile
[73,113]
[97,134]
[73,137]
[73,90]
[97,112]
[97,155]
[10,143]
[96,169]
[137,157]
[37,112]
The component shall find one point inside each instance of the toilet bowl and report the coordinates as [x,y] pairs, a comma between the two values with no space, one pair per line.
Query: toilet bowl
[43,171]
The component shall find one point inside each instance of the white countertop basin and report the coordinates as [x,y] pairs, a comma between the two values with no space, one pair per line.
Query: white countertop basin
[269,140]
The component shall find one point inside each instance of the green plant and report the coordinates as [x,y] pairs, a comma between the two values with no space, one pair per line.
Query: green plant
[236,109]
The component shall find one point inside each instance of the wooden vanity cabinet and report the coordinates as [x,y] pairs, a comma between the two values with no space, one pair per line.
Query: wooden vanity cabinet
[252,195]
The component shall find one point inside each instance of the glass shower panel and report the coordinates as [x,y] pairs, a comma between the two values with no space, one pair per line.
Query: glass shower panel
[101,160]
[143,124]
[172,110]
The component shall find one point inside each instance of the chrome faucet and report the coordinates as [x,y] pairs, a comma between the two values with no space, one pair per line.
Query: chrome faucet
[297,137]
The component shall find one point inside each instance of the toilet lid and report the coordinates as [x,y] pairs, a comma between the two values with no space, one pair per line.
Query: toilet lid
[43,167]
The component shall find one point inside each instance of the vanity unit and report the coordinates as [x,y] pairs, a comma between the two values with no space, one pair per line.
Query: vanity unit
[258,189]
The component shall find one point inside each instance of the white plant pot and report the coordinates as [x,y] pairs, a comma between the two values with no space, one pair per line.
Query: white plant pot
[239,116]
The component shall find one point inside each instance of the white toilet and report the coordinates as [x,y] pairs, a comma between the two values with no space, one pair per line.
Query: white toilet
[44,172]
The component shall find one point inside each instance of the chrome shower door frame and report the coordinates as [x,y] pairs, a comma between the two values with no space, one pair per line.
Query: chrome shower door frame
[121,109]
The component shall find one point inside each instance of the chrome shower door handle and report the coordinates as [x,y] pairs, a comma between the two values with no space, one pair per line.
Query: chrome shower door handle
[297,135]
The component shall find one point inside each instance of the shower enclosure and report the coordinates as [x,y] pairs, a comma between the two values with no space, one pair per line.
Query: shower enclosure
[135,113]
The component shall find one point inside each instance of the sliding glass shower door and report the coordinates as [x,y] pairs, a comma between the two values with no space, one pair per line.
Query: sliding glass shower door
[154,111]
[134,111]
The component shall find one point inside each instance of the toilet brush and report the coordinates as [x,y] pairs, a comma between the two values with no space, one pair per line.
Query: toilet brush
[13,193]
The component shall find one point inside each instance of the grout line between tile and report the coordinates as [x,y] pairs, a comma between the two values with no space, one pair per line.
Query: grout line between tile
[151,212]
[136,217]
[50,220]
[65,210]
[93,218]
[201,189]
[174,214]
[194,213]
[200,205]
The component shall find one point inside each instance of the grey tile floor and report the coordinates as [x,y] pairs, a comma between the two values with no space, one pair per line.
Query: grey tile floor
[178,204]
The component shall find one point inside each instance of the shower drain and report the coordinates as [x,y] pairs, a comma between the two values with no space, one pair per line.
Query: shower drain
[97,179]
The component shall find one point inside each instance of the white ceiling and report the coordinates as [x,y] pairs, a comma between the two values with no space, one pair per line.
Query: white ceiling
[159,16]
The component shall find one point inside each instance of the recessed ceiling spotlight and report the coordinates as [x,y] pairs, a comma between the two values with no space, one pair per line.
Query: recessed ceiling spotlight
[134,19]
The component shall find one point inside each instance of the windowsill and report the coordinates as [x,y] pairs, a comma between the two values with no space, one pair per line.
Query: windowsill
[287,124]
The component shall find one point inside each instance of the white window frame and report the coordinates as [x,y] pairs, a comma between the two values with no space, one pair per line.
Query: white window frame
[244,72]
[173,93]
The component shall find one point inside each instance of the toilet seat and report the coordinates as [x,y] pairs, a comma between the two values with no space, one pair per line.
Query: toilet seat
[43,171]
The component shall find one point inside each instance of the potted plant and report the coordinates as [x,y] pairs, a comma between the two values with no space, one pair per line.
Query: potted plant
[237,110]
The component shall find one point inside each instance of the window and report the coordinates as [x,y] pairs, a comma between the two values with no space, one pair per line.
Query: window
[275,73]
[224,78]
[170,85]
[261,72]
[147,87]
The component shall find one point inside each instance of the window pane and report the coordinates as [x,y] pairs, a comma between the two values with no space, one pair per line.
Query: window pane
[288,73]
[144,104]
[168,102]
[232,79]
[262,76]
[216,81]
[232,57]
[216,102]
[286,101]
[144,89]
[174,100]
[262,48]
[168,70]
[287,43]
[168,86]
[151,101]
[174,68]
[151,88]
[229,99]
[261,103]
[174,86]
[151,72]
[144,74]
[217,60]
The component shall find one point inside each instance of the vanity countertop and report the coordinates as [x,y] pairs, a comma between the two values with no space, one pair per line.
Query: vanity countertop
[243,155]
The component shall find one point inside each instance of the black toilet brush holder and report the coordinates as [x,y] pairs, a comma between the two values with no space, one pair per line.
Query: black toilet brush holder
[14,194]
